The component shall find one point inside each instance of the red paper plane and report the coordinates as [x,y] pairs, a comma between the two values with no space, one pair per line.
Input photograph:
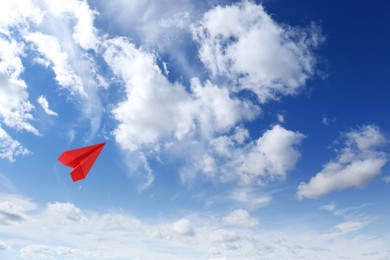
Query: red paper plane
[81,160]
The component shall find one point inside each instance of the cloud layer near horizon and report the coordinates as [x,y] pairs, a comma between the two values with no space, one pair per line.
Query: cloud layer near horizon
[119,235]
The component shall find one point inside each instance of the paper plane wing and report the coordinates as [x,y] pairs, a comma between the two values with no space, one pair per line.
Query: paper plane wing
[81,160]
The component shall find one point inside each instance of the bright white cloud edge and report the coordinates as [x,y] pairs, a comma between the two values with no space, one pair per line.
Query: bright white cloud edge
[358,162]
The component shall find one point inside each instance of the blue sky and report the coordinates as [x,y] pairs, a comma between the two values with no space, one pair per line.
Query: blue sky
[234,129]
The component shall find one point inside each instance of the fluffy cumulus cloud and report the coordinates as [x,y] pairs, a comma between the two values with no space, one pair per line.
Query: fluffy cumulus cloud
[204,117]
[183,227]
[244,44]
[157,115]
[16,14]
[269,158]
[65,211]
[234,157]
[240,217]
[155,109]
[358,162]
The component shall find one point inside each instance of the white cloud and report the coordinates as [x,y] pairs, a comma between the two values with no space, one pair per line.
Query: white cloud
[84,32]
[107,235]
[10,148]
[224,236]
[345,228]
[326,120]
[65,211]
[3,246]
[162,26]
[349,213]
[216,110]
[139,163]
[65,40]
[243,43]
[241,134]
[366,138]
[15,109]
[183,227]
[156,112]
[209,165]
[387,178]
[280,118]
[330,207]
[270,157]
[240,217]
[43,232]
[156,24]
[16,14]
[56,34]
[52,51]
[14,209]
[6,184]
[356,164]
[154,108]
[45,105]
[228,159]
[250,198]
[14,105]
[34,251]
[10,52]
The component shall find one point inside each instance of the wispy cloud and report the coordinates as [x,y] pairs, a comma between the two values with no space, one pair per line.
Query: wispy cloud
[345,228]
[45,106]
[57,35]
[6,185]
[10,148]
[250,198]
[347,213]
